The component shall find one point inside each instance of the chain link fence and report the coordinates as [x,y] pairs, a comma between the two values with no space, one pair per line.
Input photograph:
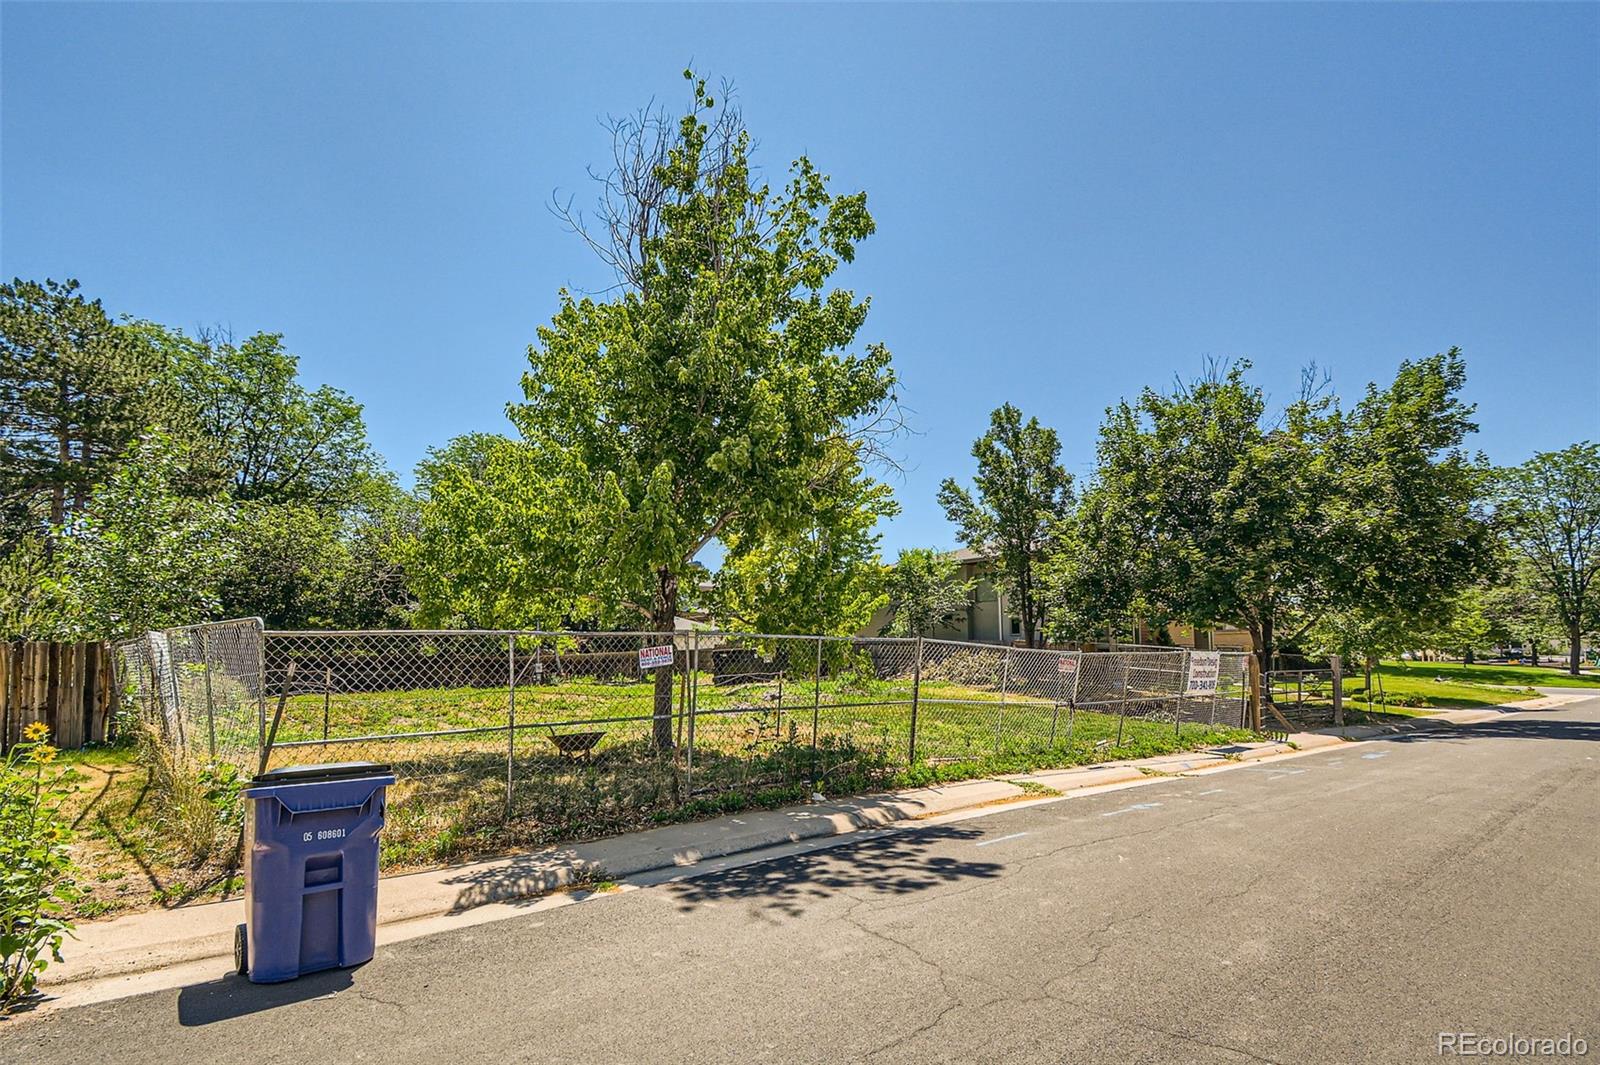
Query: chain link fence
[199,687]
[512,738]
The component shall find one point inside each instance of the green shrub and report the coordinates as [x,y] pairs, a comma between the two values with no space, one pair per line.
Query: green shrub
[35,871]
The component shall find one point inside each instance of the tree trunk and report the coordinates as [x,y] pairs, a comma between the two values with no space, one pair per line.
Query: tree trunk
[1025,594]
[1575,654]
[1261,644]
[664,618]
[58,491]
[1467,658]
[1261,636]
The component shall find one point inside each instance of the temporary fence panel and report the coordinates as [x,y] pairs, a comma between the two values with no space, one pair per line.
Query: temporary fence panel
[199,686]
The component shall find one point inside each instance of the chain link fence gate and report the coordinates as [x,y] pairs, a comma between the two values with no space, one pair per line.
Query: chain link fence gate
[199,687]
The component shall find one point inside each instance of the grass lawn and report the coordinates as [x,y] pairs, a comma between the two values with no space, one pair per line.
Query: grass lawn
[128,852]
[753,747]
[1410,688]
[1514,676]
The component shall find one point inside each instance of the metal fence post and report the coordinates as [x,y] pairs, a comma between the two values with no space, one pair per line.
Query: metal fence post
[1122,703]
[261,684]
[916,699]
[1000,714]
[694,698]
[211,706]
[1055,711]
[816,708]
[511,720]
[1183,693]
[1338,691]
[684,693]
[1072,700]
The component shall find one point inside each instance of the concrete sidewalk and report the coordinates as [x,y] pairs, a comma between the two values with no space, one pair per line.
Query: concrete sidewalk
[143,942]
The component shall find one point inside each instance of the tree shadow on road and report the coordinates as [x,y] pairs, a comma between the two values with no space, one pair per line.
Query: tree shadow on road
[899,863]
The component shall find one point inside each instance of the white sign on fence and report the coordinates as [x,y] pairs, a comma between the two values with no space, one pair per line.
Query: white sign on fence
[1204,668]
[1067,665]
[652,657]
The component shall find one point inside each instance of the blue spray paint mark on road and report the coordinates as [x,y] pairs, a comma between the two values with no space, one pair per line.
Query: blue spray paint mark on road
[1130,809]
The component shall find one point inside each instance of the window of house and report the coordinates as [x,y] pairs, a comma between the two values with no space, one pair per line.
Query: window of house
[1016,626]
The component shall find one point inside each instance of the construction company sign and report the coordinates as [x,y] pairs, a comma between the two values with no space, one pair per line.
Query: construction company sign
[655,657]
[1204,669]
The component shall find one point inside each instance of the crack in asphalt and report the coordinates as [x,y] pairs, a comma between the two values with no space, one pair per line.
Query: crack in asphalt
[367,996]
[953,1000]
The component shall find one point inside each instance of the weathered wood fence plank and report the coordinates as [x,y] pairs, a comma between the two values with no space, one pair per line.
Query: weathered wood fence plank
[68,686]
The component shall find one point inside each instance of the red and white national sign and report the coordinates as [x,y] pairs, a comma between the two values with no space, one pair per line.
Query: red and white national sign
[655,657]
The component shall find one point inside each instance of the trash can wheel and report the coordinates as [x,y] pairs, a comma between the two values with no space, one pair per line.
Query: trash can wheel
[241,951]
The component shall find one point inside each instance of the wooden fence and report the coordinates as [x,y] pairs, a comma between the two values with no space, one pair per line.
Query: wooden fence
[68,686]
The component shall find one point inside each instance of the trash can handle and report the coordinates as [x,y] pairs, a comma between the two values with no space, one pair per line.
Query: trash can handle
[285,808]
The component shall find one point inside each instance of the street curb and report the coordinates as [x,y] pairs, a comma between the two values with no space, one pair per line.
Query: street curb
[1431,723]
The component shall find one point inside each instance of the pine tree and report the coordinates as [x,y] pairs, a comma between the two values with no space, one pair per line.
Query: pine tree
[75,389]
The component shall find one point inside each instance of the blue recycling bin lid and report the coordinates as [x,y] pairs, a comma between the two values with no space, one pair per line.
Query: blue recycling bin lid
[319,774]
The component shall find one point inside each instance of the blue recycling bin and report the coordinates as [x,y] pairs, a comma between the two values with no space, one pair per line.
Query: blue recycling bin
[311,869]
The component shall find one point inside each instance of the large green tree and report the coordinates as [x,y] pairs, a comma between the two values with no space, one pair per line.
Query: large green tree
[715,393]
[270,438]
[1218,511]
[1518,611]
[313,507]
[1408,510]
[1221,511]
[1550,508]
[1020,493]
[492,538]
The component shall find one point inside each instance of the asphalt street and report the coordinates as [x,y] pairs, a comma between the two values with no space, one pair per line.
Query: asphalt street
[1344,906]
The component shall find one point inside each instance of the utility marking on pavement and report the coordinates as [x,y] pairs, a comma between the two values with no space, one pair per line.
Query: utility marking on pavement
[1002,839]
[1285,773]
[1376,754]
[1213,791]
[1130,809]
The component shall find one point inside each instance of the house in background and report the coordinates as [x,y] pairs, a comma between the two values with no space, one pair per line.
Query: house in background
[989,618]
[1216,638]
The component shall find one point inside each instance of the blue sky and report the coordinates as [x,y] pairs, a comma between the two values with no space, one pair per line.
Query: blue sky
[1072,201]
